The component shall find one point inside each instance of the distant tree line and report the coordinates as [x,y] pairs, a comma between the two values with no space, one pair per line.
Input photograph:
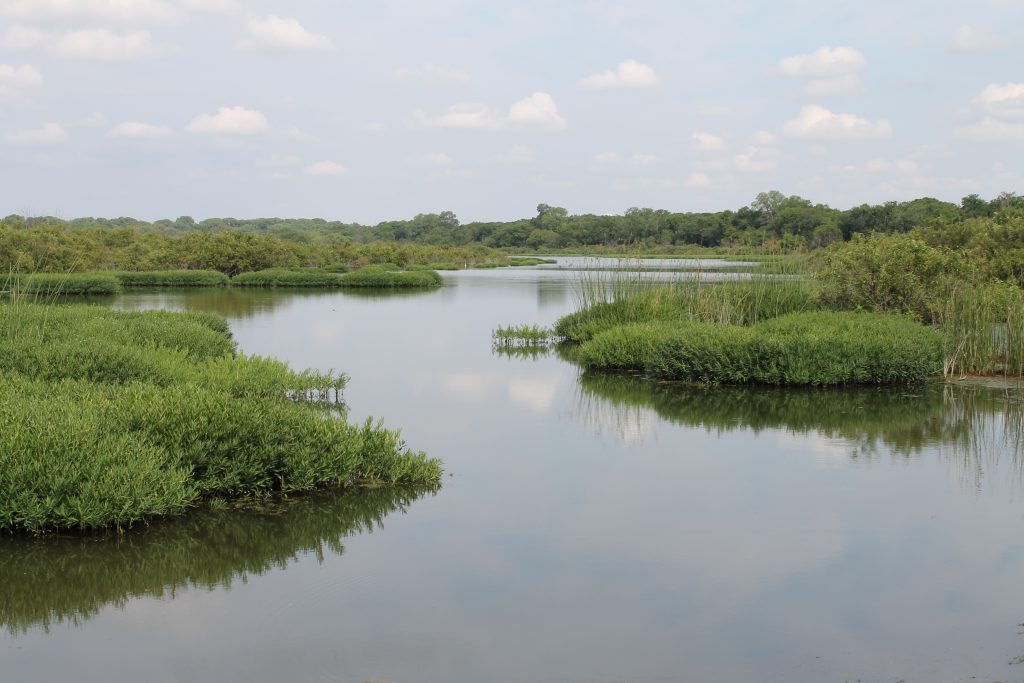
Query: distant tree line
[772,219]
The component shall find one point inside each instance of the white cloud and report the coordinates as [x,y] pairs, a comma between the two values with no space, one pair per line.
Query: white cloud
[20,37]
[697,180]
[755,160]
[991,129]
[836,85]
[124,12]
[433,73]
[969,39]
[104,45]
[536,111]
[764,138]
[47,134]
[628,74]
[280,161]
[230,121]
[633,184]
[714,110]
[817,122]
[326,168]
[825,62]
[375,127]
[97,119]
[435,159]
[884,166]
[707,142]
[138,129]
[14,79]
[1004,100]
[212,6]
[519,154]
[277,34]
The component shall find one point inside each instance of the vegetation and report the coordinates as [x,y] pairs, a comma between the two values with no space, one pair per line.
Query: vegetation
[285,277]
[817,348]
[53,284]
[172,278]
[380,278]
[522,335]
[110,418]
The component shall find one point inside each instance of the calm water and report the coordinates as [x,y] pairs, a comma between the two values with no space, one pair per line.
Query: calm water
[592,528]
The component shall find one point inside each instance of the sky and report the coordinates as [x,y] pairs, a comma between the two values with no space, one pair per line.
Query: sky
[371,111]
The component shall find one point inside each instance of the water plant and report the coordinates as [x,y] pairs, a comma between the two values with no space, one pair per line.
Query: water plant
[60,284]
[522,335]
[286,277]
[377,277]
[171,278]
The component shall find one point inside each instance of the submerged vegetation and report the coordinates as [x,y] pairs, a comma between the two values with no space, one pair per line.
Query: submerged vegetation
[110,418]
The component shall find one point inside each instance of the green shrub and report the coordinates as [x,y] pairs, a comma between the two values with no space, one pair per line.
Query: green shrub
[172,278]
[799,349]
[284,277]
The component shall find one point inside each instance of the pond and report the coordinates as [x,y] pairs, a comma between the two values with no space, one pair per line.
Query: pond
[589,527]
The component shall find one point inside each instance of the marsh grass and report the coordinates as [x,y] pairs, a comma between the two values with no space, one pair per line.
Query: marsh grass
[287,277]
[60,284]
[110,418]
[984,329]
[171,278]
[378,277]
[523,335]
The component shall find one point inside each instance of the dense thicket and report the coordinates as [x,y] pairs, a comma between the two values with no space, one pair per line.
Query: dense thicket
[787,222]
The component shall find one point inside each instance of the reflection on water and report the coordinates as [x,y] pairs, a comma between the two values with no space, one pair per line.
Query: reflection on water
[976,426]
[50,580]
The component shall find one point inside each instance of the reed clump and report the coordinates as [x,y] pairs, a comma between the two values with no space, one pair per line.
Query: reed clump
[378,277]
[110,418]
[523,335]
[171,278]
[816,349]
[61,284]
[287,277]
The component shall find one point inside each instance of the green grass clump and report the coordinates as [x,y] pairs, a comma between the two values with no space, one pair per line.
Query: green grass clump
[817,349]
[286,277]
[443,265]
[172,278]
[610,304]
[522,335]
[110,418]
[530,261]
[336,268]
[375,276]
[59,284]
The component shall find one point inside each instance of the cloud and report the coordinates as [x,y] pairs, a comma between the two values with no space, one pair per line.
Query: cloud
[707,142]
[764,138]
[884,166]
[435,159]
[755,160]
[138,129]
[991,129]
[230,121]
[20,37]
[101,44]
[969,39]
[14,79]
[280,161]
[123,12]
[212,6]
[1004,100]
[47,134]
[628,74]
[433,73]
[277,34]
[326,168]
[825,62]
[536,111]
[817,122]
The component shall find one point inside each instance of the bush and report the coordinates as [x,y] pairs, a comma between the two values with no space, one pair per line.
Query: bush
[799,349]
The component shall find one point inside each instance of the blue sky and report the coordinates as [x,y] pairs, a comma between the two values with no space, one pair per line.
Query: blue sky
[371,111]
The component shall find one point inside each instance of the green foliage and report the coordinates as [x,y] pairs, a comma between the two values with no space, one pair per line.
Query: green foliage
[172,278]
[111,417]
[375,277]
[336,268]
[802,349]
[983,325]
[283,277]
[522,335]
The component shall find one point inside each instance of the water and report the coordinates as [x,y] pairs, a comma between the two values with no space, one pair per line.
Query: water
[590,528]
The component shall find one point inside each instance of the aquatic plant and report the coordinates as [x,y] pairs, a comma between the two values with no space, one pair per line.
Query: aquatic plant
[286,277]
[59,284]
[113,417]
[376,277]
[818,348]
[522,335]
[171,278]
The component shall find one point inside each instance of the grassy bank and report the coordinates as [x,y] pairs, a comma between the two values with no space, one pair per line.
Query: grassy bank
[110,418]
[54,284]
